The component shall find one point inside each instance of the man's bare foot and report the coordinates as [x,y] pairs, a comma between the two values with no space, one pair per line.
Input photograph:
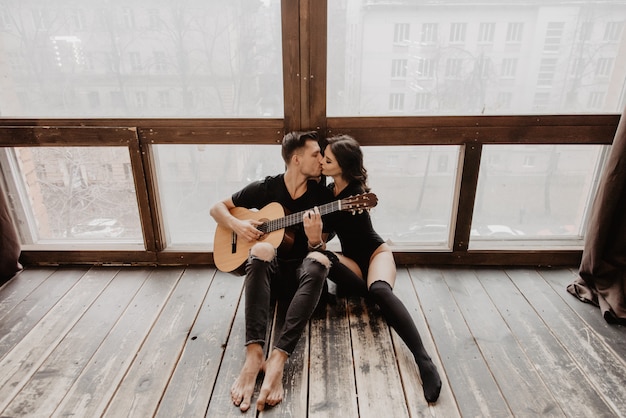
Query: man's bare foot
[241,391]
[272,388]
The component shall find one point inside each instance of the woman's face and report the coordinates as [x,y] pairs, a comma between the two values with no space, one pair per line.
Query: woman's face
[330,167]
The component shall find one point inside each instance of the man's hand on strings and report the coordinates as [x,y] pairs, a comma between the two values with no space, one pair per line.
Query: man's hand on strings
[312,220]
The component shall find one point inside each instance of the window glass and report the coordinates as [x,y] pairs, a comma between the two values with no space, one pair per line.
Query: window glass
[192,58]
[535,193]
[64,195]
[194,177]
[414,184]
[475,58]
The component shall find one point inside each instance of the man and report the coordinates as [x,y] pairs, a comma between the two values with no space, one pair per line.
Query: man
[298,274]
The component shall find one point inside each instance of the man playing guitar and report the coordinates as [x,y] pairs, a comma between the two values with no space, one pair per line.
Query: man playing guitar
[296,273]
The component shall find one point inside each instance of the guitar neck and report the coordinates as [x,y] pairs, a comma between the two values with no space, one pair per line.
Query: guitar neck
[296,218]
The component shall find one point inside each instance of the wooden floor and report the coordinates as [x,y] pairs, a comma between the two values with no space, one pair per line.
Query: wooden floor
[168,342]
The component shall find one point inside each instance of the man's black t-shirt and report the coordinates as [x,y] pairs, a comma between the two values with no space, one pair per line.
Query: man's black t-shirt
[260,193]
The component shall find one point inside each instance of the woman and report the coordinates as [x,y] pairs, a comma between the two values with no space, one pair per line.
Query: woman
[366,266]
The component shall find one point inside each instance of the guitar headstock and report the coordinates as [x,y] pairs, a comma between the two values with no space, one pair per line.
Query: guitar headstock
[359,203]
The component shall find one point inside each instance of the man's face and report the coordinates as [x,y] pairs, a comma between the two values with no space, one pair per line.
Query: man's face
[310,159]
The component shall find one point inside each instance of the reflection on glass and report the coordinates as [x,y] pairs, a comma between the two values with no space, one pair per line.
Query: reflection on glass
[76,194]
[474,58]
[534,192]
[194,177]
[414,184]
[192,58]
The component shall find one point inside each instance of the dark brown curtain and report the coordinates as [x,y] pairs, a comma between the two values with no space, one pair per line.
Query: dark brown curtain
[602,272]
[9,244]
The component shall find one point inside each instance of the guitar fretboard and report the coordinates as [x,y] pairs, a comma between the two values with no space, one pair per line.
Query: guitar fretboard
[296,218]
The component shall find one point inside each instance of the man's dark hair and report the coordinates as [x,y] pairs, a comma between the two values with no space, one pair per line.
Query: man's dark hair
[293,141]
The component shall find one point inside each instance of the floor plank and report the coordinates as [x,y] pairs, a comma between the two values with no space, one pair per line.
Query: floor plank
[375,367]
[296,372]
[446,405]
[473,386]
[13,292]
[332,385]
[92,392]
[18,322]
[32,350]
[221,404]
[611,334]
[145,381]
[523,389]
[569,386]
[189,391]
[592,356]
[169,342]
[59,371]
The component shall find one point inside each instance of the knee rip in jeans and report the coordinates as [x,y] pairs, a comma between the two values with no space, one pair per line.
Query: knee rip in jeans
[320,258]
[262,251]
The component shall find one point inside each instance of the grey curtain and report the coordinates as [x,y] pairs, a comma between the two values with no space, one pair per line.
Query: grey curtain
[602,272]
[9,244]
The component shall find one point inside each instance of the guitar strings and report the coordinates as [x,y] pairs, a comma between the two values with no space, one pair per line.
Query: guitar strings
[295,218]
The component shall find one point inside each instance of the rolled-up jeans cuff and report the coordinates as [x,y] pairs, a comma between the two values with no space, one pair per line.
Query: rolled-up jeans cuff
[260,342]
[282,351]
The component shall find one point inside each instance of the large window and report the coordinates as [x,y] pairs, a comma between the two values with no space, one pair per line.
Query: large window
[534,45]
[531,193]
[137,59]
[73,197]
[194,177]
[415,187]
[511,58]
[449,99]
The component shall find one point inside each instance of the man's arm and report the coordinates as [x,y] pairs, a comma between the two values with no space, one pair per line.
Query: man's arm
[245,229]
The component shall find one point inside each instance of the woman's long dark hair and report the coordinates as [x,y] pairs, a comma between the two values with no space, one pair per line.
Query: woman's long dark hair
[349,156]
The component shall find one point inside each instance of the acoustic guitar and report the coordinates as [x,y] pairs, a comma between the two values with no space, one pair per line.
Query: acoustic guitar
[230,253]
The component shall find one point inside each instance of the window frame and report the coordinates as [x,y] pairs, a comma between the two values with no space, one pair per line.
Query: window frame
[304,79]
